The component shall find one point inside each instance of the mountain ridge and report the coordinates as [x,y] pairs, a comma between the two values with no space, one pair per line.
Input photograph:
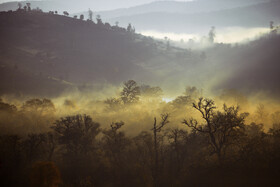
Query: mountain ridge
[258,15]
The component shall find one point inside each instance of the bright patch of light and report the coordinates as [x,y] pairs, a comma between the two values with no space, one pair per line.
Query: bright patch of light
[167,100]
[223,35]
[170,35]
[238,34]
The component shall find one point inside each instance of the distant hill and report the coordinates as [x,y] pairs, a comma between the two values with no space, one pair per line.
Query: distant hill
[73,6]
[70,52]
[256,15]
[44,5]
[187,7]
[174,16]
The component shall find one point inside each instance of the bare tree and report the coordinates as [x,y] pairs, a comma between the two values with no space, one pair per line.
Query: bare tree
[156,129]
[222,128]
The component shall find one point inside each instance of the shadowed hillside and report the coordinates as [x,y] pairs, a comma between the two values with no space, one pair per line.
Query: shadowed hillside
[59,48]
[46,54]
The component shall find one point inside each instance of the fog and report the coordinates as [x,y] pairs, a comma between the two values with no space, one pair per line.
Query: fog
[230,35]
[97,5]
[140,93]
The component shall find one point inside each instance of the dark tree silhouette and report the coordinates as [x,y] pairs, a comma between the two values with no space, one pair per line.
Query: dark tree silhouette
[77,138]
[130,93]
[82,17]
[65,13]
[156,129]
[33,146]
[115,142]
[77,133]
[222,128]
[28,6]
[98,19]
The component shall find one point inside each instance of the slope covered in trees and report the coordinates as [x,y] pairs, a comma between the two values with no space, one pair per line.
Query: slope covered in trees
[69,51]
[41,145]
[61,53]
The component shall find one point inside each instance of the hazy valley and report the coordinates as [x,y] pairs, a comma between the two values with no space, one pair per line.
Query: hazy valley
[133,94]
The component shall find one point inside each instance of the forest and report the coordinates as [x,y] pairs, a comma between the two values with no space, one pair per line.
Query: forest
[138,139]
[90,102]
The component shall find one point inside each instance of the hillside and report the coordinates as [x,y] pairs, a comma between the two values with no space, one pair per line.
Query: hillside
[61,49]
[47,54]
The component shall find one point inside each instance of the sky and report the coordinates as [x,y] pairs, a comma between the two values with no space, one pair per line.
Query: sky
[106,4]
